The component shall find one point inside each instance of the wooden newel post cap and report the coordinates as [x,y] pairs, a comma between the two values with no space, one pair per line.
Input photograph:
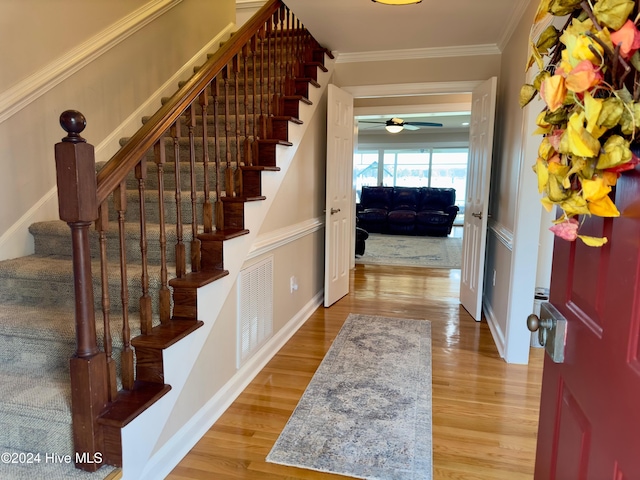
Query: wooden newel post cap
[76,172]
[73,122]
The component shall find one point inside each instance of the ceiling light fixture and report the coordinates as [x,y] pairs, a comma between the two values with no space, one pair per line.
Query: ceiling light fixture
[394,128]
[397,2]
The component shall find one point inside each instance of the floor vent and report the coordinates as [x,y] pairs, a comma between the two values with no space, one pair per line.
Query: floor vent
[255,308]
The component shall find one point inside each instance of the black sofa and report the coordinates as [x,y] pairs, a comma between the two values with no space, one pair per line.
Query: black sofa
[407,210]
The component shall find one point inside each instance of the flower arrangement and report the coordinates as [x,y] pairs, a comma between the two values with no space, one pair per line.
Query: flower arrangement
[589,80]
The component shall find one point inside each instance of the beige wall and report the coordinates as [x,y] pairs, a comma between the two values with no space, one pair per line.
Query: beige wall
[42,30]
[300,199]
[106,91]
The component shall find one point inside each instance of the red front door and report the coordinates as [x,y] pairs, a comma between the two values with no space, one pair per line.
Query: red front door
[590,404]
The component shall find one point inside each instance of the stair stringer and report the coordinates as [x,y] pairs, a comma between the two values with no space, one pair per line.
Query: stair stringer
[144,453]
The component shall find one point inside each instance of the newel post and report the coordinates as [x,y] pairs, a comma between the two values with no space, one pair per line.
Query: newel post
[78,206]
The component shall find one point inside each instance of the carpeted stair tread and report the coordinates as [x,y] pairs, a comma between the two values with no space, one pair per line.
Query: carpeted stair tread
[53,238]
[48,280]
[35,412]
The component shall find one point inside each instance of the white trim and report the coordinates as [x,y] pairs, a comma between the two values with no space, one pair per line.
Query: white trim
[40,82]
[512,23]
[502,233]
[249,4]
[17,241]
[278,238]
[418,53]
[172,452]
[410,89]
[421,108]
[494,327]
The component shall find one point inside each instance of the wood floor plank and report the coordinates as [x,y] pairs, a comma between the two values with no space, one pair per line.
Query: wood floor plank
[485,411]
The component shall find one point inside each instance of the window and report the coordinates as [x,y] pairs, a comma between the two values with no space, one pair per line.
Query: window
[429,167]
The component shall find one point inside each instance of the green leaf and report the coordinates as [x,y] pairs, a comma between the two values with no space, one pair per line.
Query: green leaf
[611,112]
[527,93]
[613,13]
[561,8]
[547,39]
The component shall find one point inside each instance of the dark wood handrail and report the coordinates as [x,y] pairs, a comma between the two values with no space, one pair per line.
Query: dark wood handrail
[173,163]
[119,166]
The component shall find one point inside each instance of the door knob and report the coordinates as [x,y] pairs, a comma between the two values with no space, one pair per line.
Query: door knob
[334,210]
[552,330]
[534,324]
[477,215]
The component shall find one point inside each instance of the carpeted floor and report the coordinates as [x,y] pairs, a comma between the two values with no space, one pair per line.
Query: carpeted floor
[367,411]
[412,251]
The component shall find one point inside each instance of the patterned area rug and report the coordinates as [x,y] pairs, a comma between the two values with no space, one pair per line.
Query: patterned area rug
[412,251]
[367,411]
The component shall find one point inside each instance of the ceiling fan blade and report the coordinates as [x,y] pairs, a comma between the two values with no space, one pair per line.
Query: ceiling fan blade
[365,121]
[424,124]
[410,126]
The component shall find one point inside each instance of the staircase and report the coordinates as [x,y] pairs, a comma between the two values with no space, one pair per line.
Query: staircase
[155,225]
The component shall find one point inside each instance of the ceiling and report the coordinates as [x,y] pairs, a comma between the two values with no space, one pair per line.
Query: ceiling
[359,26]
[361,30]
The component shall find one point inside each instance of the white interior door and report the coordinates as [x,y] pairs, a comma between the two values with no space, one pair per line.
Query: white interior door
[483,106]
[339,221]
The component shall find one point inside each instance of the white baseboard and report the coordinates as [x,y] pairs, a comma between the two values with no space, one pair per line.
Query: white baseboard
[170,454]
[494,326]
[17,241]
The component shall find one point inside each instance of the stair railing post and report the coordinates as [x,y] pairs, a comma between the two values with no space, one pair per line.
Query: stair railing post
[78,206]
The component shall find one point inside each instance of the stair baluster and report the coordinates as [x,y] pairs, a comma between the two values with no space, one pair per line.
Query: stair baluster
[263,58]
[160,158]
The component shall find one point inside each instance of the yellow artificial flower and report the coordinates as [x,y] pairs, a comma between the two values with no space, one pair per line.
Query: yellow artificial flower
[553,91]
[603,207]
[543,174]
[615,152]
[592,111]
[593,190]
[593,241]
[576,140]
[578,44]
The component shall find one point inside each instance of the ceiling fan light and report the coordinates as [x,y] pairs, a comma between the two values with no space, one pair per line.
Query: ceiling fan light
[397,2]
[394,128]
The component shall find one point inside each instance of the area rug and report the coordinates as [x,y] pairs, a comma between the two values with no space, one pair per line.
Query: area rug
[412,251]
[367,411]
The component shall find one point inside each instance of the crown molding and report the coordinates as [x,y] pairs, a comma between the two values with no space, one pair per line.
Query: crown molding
[410,89]
[512,24]
[418,53]
[249,4]
[34,86]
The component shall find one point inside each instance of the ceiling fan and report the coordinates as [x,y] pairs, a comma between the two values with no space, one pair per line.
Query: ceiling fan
[396,125]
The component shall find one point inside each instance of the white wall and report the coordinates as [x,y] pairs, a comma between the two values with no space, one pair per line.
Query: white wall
[104,58]
[518,253]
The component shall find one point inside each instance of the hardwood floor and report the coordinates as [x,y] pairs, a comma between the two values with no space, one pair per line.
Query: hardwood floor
[485,412]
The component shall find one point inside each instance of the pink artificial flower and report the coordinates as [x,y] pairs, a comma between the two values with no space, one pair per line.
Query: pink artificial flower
[555,137]
[567,230]
[628,37]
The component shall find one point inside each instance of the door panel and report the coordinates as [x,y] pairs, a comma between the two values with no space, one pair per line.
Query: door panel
[590,405]
[474,239]
[339,195]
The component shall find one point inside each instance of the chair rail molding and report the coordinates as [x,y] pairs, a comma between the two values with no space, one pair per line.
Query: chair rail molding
[40,82]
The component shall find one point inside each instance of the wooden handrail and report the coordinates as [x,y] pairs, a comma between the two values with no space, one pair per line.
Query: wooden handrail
[234,154]
[115,170]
